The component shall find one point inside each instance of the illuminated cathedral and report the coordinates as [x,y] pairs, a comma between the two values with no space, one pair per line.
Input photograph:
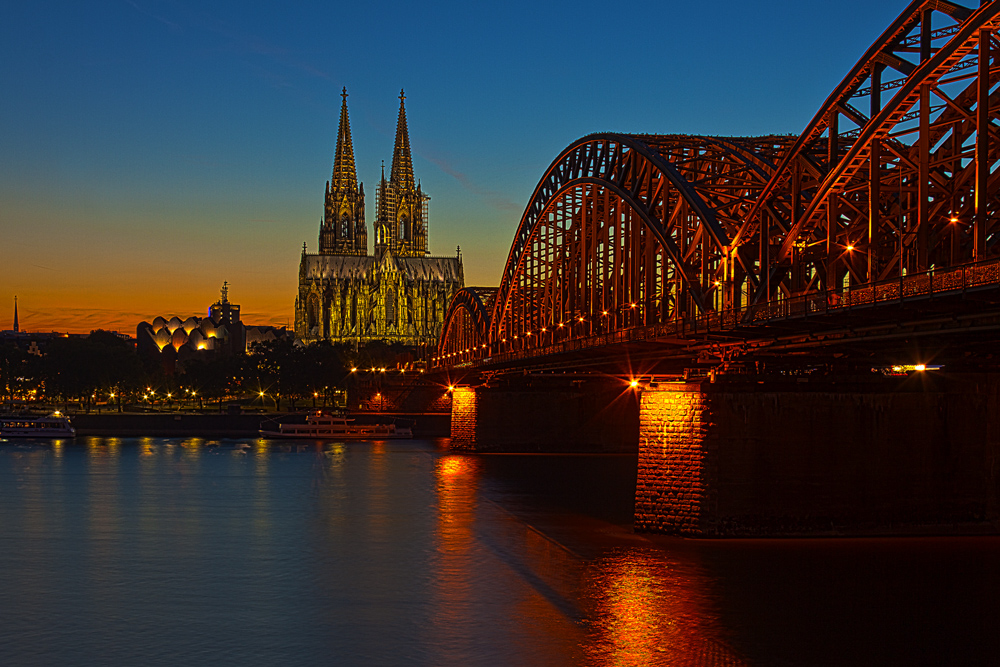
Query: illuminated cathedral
[398,294]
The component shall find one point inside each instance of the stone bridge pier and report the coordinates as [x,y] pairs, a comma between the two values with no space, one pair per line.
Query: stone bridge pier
[770,457]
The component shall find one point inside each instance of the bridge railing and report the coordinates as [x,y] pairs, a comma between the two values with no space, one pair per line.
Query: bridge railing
[825,302]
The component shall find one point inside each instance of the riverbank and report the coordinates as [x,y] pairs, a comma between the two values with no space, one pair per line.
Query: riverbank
[214,425]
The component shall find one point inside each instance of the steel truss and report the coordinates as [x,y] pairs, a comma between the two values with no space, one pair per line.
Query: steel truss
[894,176]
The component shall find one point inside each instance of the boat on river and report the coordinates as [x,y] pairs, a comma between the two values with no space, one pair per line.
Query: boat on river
[322,425]
[55,425]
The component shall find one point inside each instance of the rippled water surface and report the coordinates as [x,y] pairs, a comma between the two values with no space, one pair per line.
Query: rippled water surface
[159,551]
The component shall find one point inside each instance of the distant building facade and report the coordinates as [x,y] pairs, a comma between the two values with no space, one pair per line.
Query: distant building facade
[398,294]
[172,341]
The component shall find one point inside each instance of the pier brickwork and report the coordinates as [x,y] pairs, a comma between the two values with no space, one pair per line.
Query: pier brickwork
[912,455]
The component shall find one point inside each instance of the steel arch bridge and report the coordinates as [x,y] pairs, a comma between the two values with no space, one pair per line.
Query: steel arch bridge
[890,191]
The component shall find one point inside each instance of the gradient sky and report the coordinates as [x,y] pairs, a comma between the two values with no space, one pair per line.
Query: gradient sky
[151,149]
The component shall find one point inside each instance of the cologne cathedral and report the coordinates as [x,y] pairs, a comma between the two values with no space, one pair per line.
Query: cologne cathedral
[398,294]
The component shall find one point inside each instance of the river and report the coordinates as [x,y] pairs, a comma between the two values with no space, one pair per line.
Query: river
[185,551]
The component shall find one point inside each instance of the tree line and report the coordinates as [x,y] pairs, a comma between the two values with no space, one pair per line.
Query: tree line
[103,370]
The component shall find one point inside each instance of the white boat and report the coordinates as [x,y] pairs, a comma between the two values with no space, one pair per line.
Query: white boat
[321,425]
[55,425]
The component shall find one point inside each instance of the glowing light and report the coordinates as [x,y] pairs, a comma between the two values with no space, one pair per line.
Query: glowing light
[581,318]
[544,329]
[262,394]
[632,305]
[381,370]
[315,394]
[920,367]
[954,219]
[717,283]
[633,384]
[560,325]
[850,248]
[451,387]
[169,394]
[354,370]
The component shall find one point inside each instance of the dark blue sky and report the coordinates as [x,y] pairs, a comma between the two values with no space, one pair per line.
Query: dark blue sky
[153,148]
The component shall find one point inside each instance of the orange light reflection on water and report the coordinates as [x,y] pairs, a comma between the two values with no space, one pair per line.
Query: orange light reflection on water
[649,609]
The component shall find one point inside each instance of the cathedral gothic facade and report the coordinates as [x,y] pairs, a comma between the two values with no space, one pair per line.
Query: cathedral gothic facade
[398,294]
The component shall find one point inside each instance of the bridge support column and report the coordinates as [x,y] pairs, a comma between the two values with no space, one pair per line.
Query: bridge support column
[918,454]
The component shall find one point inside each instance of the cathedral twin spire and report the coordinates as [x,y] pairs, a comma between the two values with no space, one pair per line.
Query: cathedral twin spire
[400,225]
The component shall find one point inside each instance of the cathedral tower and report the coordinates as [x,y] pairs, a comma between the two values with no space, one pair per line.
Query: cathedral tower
[342,230]
[401,206]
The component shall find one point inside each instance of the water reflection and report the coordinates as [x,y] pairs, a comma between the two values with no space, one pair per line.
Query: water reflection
[648,608]
[257,552]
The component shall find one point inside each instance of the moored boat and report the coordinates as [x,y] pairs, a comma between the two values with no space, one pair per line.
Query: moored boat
[322,425]
[55,425]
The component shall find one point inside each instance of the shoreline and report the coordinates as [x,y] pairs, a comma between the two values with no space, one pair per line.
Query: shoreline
[167,424]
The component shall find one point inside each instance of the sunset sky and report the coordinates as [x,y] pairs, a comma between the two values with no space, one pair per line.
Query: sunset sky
[151,149]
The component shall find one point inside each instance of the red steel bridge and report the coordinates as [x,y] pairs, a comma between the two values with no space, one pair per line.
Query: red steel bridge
[875,227]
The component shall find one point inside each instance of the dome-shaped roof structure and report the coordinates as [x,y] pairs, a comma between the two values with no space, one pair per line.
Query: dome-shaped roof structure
[179,338]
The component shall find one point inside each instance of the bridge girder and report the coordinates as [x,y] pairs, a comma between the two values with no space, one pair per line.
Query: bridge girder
[640,230]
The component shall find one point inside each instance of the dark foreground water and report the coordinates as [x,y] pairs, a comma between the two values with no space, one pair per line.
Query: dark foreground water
[162,551]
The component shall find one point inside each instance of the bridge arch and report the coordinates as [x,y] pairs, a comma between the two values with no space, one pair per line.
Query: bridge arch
[628,228]
[465,332]
[895,177]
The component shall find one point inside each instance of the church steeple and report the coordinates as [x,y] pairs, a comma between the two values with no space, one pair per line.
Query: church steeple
[342,230]
[345,174]
[16,326]
[402,164]
[401,206]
